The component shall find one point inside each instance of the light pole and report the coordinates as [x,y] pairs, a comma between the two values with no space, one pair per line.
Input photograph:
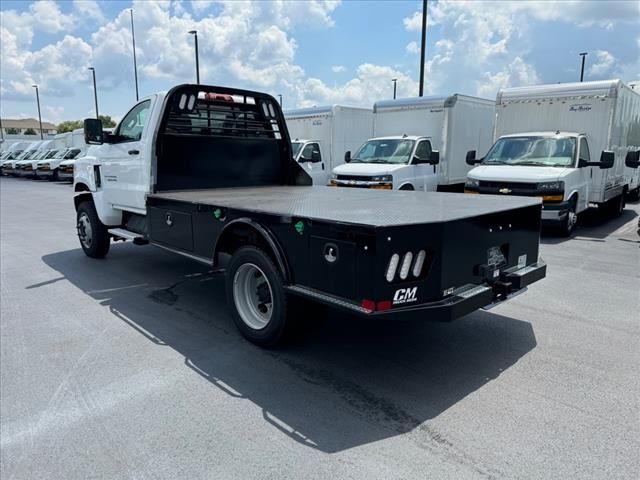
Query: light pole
[280,97]
[395,81]
[195,36]
[423,45]
[135,65]
[95,90]
[39,116]
[583,55]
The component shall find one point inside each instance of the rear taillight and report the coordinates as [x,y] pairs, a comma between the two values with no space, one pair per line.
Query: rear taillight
[411,263]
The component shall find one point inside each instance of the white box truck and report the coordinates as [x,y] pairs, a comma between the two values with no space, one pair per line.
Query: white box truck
[406,133]
[549,139]
[320,136]
[52,168]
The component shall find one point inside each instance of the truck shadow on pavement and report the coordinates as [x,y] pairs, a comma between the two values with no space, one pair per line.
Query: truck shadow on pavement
[594,226]
[346,382]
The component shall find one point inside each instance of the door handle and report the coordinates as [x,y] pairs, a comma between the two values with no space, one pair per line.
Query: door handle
[134,152]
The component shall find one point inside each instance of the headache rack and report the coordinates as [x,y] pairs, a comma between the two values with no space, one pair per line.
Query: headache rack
[216,137]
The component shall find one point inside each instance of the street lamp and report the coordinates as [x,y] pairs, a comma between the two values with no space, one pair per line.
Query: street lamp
[423,47]
[394,80]
[583,55]
[135,65]
[39,116]
[95,90]
[195,36]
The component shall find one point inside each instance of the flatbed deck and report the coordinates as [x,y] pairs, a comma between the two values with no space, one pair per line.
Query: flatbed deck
[352,205]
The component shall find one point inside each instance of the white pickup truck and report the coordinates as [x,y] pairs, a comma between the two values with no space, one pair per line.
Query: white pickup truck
[406,131]
[574,145]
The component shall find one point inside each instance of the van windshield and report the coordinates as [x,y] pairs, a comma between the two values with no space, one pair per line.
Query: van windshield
[384,151]
[534,151]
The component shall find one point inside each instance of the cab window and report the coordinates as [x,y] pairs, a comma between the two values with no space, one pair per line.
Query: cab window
[307,153]
[131,127]
[423,150]
[584,150]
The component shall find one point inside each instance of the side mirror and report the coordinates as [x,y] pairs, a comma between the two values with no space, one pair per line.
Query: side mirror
[315,156]
[583,163]
[632,160]
[434,157]
[471,158]
[347,156]
[607,158]
[93,131]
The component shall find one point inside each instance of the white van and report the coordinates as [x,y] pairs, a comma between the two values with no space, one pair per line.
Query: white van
[321,135]
[406,133]
[572,144]
[75,147]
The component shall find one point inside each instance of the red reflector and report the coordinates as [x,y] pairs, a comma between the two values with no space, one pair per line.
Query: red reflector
[368,305]
[384,305]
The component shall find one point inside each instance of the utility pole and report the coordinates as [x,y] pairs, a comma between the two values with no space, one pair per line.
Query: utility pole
[95,90]
[195,36]
[583,55]
[280,97]
[39,116]
[394,80]
[423,46]
[135,65]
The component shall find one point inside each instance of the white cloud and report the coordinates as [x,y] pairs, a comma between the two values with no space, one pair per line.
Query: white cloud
[372,83]
[517,73]
[338,68]
[412,47]
[89,9]
[200,6]
[604,63]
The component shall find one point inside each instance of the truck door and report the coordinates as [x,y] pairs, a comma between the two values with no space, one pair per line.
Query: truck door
[425,174]
[123,160]
[311,160]
[584,176]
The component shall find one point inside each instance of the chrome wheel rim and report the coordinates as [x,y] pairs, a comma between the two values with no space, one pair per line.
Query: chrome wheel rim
[253,296]
[573,219]
[85,233]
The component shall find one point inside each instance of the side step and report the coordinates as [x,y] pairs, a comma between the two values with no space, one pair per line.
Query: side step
[122,234]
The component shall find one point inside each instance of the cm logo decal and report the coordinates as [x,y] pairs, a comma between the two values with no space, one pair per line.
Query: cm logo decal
[405,295]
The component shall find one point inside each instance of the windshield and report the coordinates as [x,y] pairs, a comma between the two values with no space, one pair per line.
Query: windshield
[384,151]
[535,151]
[72,153]
[295,148]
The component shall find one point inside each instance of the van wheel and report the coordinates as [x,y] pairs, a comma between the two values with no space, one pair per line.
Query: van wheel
[408,187]
[256,297]
[617,206]
[567,225]
[92,233]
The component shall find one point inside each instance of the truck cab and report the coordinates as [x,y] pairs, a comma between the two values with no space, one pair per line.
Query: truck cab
[405,162]
[555,166]
[309,154]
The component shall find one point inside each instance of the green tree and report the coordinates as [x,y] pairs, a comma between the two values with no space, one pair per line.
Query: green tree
[107,122]
[12,131]
[69,126]
[29,131]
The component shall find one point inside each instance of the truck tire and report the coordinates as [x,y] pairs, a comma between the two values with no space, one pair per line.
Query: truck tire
[257,299]
[567,225]
[616,206]
[92,233]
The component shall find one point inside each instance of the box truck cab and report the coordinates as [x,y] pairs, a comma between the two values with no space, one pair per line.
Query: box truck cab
[573,144]
[401,163]
[450,125]
[321,135]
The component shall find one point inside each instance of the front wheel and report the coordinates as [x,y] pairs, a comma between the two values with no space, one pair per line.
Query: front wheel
[567,225]
[92,233]
[256,297]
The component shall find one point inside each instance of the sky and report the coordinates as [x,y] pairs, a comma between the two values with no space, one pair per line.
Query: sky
[313,52]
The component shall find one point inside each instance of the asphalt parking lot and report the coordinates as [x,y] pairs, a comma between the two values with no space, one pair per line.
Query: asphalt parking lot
[130,367]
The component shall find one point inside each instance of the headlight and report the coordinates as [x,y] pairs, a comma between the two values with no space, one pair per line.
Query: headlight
[551,186]
[472,182]
[382,178]
[333,176]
